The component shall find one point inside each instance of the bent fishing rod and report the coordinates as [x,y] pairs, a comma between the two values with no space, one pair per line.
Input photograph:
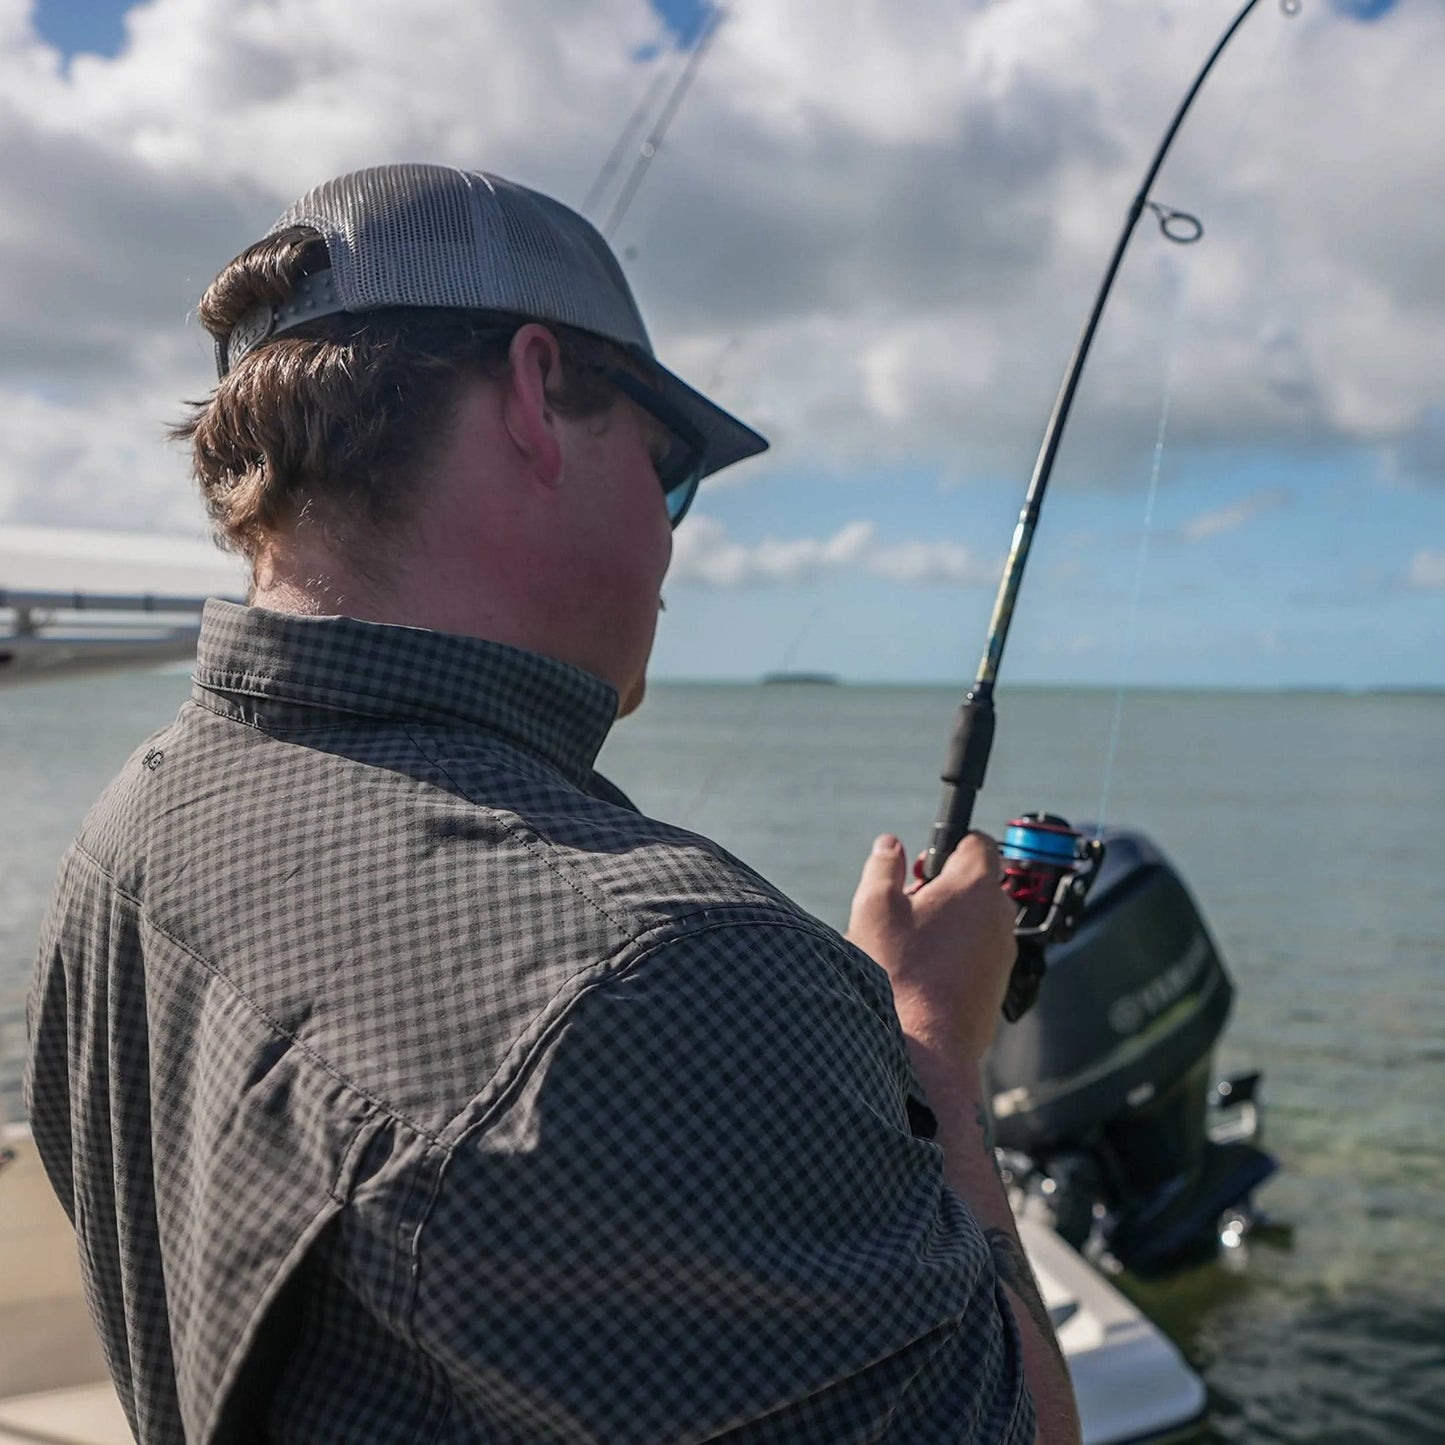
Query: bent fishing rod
[1048,866]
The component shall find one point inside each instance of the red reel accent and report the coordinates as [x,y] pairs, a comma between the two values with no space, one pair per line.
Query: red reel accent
[1031,884]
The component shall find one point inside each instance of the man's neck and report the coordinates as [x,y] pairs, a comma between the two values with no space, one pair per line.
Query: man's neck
[306,583]
[279,595]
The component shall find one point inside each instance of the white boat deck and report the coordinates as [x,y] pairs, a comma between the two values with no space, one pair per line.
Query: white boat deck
[53,1384]
[84,1415]
[1130,1381]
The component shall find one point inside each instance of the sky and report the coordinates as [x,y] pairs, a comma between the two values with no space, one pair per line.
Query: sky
[874,240]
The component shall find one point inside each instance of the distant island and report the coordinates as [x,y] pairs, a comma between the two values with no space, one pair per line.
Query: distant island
[807,679]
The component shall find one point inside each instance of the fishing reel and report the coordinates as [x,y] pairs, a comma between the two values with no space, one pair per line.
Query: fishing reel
[1048,869]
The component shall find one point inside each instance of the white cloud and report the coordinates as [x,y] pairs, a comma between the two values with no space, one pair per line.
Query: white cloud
[71,559]
[1233,517]
[880,237]
[1427,569]
[101,462]
[705,553]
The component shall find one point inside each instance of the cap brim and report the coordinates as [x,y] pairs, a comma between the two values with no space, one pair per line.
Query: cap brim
[725,439]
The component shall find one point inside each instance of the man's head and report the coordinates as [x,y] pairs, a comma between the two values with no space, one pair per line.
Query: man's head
[438,405]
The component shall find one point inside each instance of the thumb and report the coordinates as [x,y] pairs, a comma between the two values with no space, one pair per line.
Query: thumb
[883,873]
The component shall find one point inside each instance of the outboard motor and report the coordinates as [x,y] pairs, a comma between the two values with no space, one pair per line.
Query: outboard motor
[1103,1092]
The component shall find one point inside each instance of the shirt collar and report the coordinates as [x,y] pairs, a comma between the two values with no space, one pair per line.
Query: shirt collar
[260,664]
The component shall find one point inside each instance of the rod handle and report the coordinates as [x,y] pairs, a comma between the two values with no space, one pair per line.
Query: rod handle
[964,767]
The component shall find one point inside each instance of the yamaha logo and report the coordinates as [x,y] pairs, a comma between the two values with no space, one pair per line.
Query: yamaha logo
[1126,1014]
[1131,1011]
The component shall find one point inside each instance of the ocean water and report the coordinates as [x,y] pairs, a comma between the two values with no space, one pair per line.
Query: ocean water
[1301,822]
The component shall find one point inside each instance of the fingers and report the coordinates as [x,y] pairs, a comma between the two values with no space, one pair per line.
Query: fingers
[975,868]
[947,947]
[976,857]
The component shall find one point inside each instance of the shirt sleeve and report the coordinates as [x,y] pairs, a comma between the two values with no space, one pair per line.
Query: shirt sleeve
[704,1215]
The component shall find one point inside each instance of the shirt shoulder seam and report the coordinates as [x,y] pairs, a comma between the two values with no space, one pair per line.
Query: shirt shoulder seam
[616,966]
[273,1024]
[525,837]
[606,971]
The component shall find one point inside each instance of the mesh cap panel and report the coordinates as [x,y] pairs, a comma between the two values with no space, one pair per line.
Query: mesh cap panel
[417,235]
[423,235]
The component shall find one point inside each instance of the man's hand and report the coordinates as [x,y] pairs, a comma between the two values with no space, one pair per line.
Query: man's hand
[948,947]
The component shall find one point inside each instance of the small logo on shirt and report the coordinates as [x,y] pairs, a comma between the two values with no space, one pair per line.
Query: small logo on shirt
[153,759]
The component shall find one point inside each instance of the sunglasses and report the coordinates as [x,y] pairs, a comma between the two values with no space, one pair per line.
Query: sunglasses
[680,470]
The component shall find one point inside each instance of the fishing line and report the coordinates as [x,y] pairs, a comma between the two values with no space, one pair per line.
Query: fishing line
[1184,229]
[1254,93]
[1141,563]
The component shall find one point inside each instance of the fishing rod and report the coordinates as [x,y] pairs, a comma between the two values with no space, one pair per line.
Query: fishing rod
[624,139]
[1048,866]
[655,137]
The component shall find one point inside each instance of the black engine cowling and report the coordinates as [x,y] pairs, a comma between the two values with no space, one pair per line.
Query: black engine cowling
[1105,1084]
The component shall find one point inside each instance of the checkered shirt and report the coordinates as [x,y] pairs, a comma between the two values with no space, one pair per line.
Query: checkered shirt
[404,1084]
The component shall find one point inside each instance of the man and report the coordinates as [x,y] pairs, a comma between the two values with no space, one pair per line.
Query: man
[402,1081]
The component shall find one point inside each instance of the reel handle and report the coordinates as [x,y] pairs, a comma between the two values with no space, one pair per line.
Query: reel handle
[1048,870]
[1025,981]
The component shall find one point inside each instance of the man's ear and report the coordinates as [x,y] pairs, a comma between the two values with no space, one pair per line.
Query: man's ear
[535,359]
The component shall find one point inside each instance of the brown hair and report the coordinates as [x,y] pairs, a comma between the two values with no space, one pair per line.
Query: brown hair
[343,417]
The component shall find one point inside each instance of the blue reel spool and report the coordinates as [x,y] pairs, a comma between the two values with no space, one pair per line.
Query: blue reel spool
[1042,839]
[1047,869]
[1038,850]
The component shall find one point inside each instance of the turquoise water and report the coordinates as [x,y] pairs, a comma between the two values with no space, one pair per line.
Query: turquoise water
[1302,822]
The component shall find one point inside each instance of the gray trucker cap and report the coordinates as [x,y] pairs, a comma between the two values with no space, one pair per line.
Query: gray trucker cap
[423,235]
